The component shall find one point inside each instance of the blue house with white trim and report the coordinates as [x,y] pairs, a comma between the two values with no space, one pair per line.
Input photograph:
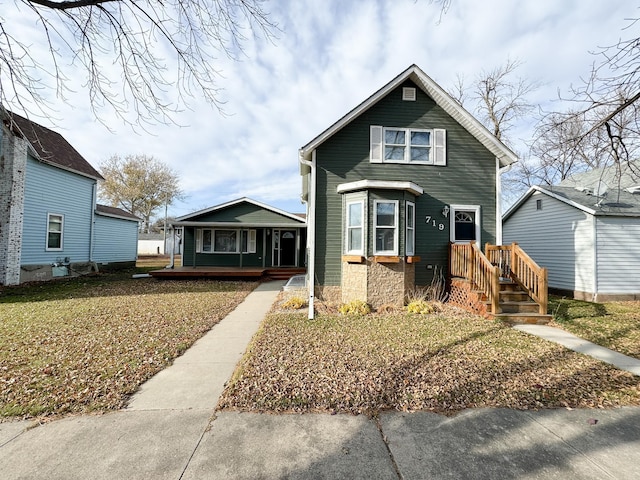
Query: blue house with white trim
[50,224]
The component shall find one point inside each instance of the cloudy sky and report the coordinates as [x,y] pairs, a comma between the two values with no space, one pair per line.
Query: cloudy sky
[329,56]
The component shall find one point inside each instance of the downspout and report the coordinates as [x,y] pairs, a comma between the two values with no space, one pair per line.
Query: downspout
[311,227]
[93,220]
[173,246]
[595,258]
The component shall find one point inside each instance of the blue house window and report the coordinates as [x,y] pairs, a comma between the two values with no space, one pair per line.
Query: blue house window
[55,224]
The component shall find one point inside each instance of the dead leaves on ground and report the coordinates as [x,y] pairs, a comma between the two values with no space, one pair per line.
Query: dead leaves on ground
[92,348]
[443,363]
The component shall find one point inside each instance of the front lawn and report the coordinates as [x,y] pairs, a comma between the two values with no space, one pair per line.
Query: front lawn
[615,325]
[443,363]
[85,344]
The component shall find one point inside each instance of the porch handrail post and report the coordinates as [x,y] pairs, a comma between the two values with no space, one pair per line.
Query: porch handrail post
[472,261]
[495,290]
[514,262]
[543,291]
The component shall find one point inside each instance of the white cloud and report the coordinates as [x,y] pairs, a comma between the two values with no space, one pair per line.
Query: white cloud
[328,57]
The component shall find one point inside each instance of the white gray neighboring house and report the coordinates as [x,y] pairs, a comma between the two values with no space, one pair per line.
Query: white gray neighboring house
[586,231]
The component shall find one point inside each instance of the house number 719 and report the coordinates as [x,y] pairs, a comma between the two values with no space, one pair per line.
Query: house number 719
[431,221]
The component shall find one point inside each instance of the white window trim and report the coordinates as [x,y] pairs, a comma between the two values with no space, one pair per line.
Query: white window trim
[347,228]
[437,149]
[251,240]
[410,232]
[395,228]
[452,218]
[55,249]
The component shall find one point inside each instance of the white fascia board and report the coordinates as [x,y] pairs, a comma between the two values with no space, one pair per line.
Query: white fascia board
[119,217]
[237,201]
[380,184]
[237,225]
[537,188]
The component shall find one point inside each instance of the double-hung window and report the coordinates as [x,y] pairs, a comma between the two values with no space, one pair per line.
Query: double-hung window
[408,145]
[55,225]
[386,227]
[354,244]
[410,233]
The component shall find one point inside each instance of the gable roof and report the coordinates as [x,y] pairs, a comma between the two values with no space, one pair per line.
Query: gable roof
[625,175]
[614,204]
[48,146]
[115,212]
[442,99]
[191,218]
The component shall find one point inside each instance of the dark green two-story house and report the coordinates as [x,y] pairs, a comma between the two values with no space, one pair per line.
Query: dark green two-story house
[391,184]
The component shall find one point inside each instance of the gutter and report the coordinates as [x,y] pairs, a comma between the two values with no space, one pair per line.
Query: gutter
[310,200]
[92,226]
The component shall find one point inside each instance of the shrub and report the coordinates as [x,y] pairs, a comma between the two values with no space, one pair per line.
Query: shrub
[422,307]
[294,303]
[355,307]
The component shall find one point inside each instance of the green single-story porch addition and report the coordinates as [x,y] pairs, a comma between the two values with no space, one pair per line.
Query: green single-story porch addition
[242,233]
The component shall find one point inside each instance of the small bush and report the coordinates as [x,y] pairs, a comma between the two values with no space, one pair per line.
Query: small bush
[355,307]
[294,303]
[422,307]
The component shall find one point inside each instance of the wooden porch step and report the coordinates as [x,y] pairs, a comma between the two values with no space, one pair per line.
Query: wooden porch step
[523,318]
[519,306]
[284,273]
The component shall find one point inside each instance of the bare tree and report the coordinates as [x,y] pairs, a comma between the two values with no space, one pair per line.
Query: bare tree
[139,184]
[132,52]
[497,96]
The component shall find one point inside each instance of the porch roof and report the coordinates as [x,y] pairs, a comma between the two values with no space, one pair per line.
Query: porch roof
[236,225]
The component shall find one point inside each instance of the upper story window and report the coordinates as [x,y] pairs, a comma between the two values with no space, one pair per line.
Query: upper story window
[55,224]
[408,145]
[386,227]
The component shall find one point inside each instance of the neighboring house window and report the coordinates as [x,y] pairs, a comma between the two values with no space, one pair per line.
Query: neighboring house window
[248,241]
[225,241]
[55,224]
[354,244]
[465,223]
[410,234]
[539,204]
[386,227]
[407,145]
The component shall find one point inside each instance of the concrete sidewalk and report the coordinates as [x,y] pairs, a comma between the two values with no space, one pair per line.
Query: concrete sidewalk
[170,431]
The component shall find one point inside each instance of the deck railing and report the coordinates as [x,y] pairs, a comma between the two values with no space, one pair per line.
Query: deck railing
[508,261]
[468,261]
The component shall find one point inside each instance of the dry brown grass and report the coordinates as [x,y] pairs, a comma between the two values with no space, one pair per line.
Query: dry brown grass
[85,344]
[443,363]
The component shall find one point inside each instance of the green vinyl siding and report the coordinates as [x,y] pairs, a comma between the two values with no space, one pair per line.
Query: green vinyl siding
[468,179]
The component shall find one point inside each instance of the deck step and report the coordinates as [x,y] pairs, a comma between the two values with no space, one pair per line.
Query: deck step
[523,318]
[520,307]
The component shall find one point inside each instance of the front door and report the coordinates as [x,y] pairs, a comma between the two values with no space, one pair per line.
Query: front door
[284,248]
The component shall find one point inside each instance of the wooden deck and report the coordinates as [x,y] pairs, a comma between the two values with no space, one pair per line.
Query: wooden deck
[278,273]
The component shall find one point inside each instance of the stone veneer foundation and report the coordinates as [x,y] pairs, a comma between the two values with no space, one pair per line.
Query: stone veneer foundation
[377,283]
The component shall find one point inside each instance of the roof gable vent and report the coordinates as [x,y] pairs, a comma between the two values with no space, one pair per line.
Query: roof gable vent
[409,94]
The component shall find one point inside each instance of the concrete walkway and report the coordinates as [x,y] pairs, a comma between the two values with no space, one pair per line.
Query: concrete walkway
[170,430]
[577,344]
